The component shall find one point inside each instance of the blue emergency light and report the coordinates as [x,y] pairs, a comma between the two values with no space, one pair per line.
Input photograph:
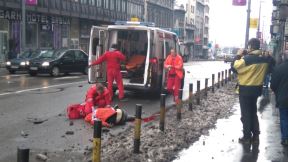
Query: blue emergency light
[135,23]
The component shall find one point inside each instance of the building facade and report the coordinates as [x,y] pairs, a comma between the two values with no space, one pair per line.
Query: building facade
[60,23]
[179,22]
[190,27]
[160,12]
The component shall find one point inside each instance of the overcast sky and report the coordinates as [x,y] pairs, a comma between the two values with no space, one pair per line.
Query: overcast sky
[228,23]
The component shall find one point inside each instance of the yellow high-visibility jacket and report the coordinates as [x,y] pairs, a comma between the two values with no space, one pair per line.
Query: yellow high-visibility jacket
[251,71]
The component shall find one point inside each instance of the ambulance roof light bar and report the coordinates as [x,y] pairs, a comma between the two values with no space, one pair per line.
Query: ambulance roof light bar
[151,24]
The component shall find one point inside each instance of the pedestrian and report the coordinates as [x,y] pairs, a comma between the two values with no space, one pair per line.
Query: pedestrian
[251,70]
[272,63]
[97,96]
[174,65]
[113,58]
[279,85]
[109,116]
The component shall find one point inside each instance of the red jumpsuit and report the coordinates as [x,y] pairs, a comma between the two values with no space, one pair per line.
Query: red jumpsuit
[113,59]
[175,74]
[102,114]
[94,98]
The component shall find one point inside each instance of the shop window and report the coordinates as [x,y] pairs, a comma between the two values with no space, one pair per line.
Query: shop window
[31,35]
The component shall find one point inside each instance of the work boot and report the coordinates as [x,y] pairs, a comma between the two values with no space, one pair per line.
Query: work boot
[244,140]
[284,143]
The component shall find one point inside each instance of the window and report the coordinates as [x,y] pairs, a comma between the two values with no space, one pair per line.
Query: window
[106,4]
[112,4]
[79,55]
[99,3]
[192,9]
[69,55]
[83,1]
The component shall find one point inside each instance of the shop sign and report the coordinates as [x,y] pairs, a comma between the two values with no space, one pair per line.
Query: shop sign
[33,17]
[31,2]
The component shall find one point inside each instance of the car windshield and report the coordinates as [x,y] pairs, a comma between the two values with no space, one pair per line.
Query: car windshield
[39,53]
[51,54]
[25,54]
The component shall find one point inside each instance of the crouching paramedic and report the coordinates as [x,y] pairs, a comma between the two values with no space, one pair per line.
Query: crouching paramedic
[251,70]
[113,57]
[174,65]
[97,96]
[109,116]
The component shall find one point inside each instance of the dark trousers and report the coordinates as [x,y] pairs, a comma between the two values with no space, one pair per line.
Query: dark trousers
[249,118]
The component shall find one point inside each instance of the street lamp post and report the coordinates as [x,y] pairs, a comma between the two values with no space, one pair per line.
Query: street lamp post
[23,31]
[247,24]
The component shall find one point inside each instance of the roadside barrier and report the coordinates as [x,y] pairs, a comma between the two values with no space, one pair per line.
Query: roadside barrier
[23,154]
[198,93]
[179,105]
[226,77]
[213,81]
[96,154]
[206,87]
[190,97]
[162,112]
[218,85]
[137,128]
[222,78]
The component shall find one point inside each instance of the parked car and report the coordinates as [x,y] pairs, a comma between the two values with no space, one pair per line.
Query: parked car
[60,61]
[22,62]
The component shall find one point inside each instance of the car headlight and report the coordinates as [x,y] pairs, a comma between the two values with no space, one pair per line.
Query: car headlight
[45,64]
[22,63]
[8,63]
[27,63]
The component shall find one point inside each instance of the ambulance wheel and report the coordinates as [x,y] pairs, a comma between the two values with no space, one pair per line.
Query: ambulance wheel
[85,72]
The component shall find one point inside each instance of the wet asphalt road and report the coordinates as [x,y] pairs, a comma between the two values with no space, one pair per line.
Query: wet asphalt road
[24,99]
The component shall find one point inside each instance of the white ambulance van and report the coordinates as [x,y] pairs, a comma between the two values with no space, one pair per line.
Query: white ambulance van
[145,48]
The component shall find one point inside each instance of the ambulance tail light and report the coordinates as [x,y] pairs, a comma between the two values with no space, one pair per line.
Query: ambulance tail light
[153,60]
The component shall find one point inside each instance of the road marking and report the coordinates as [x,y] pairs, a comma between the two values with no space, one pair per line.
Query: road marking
[68,77]
[34,89]
[17,75]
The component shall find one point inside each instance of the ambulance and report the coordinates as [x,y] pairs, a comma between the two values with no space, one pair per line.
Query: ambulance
[145,47]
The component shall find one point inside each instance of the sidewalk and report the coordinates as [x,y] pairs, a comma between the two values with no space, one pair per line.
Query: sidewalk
[222,142]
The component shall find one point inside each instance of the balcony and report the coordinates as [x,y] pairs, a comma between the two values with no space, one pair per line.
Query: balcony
[189,26]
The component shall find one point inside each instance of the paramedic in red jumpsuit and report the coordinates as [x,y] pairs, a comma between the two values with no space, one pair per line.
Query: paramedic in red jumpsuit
[113,57]
[97,96]
[174,65]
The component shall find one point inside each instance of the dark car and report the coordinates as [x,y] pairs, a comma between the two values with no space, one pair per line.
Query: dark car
[60,61]
[22,62]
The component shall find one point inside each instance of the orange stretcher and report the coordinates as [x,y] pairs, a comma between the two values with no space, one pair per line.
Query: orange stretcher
[135,62]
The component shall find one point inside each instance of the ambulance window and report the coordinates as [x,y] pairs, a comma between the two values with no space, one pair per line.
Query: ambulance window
[94,45]
[152,46]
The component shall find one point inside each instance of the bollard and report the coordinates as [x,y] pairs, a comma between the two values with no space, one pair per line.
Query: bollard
[198,92]
[229,75]
[190,97]
[218,85]
[137,130]
[226,77]
[213,82]
[179,105]
[96,155]
[162,112]
[222,78]
[206,87]
[23,154]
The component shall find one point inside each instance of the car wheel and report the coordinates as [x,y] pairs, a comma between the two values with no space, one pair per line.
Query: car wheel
[55,71]
[32,73]
[85,72]
[12,71]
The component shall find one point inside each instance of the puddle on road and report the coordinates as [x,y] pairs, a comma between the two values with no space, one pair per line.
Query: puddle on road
[221,145]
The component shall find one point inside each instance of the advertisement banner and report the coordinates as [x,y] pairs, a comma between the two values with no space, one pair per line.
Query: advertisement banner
[239,2]
[253,23]
[31,2]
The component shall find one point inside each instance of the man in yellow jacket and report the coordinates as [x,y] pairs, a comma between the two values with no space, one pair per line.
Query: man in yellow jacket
[251,70]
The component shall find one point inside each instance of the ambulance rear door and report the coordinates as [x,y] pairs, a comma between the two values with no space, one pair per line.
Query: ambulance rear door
[98,45]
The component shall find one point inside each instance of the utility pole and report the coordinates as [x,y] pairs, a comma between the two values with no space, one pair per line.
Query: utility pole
[248,24]
[23,31]
[259,20]
[145,11]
